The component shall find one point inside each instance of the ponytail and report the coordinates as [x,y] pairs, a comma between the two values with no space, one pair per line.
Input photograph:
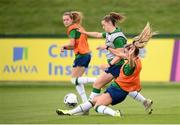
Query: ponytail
[142,39]
[114,18]
[75,15]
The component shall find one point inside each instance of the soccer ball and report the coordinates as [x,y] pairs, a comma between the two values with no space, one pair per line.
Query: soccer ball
[70,100]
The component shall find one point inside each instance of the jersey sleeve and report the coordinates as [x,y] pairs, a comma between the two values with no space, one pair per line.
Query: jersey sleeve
[119,42]
[104,34]
[128,70]
[74,34]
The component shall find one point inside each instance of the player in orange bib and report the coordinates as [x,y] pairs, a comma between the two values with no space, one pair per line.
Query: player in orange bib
[122,85]
[78,43]
[130,82]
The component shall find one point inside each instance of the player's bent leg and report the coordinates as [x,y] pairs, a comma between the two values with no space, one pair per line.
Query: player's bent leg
[148,106]
[82,108]
[100,82]
[108,111]
[80,89]
[103,66]
[77,72]
[82,80]
[137,96]
[147,103]
[85,80]
[95,92]
[105,78]
[101,105]
[104,99]
[113,95]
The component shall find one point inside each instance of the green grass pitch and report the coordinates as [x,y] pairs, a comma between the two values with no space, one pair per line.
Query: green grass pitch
[37,102]
[45,17]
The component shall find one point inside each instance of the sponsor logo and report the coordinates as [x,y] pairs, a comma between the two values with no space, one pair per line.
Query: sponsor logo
[20,53]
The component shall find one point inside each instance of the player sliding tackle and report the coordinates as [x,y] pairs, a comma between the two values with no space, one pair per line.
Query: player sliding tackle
[126,81]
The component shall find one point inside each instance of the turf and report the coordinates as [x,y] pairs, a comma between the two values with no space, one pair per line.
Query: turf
[44,16]
[37,102]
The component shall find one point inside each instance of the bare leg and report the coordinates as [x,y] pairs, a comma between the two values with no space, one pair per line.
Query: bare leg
[101,105]
[100,82]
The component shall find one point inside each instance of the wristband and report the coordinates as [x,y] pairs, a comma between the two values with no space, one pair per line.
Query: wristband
[110,64]
[107,47]
[64,47]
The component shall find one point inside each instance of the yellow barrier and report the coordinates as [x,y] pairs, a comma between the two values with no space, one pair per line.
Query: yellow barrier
[40,60]
[157,63]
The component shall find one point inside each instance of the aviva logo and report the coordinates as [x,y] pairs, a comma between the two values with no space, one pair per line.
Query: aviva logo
[20,53]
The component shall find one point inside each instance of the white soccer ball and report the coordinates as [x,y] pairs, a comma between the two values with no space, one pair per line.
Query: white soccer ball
[70,100]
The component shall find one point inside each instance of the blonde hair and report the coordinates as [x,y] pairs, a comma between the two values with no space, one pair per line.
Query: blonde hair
[114,18]
[143,38]
[75,16]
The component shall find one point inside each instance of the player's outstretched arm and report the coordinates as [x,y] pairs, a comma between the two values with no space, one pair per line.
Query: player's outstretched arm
[92,34]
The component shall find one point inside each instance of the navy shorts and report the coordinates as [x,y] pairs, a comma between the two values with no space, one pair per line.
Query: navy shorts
[82,61]
[114,70]
[117,94]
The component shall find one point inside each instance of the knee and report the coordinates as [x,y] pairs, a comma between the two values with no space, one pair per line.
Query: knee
[97,103]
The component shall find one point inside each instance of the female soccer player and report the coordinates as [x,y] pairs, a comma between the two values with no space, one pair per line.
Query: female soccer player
[114,39]
[78,43]
[127,81]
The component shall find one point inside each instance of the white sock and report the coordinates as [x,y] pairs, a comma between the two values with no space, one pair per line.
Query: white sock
[105,110]
[137,96]
[85,80]
[81,108]
[80,89]
[92,95]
